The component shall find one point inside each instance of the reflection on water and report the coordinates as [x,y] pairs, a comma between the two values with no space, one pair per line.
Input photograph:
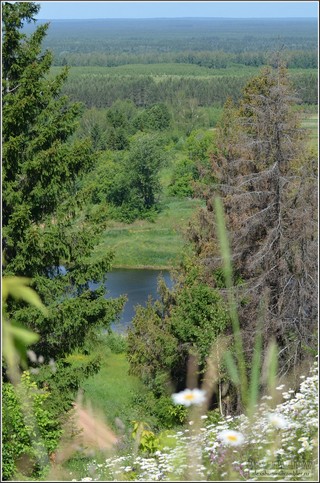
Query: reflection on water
[138,285]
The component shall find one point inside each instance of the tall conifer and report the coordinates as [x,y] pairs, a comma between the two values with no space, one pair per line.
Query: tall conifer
[41,169]
[267,180]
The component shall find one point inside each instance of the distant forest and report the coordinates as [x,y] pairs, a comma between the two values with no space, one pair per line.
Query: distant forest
[159,60]
[111,42]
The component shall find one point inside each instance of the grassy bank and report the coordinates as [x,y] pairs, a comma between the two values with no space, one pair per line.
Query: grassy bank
[145,244]
[111,392]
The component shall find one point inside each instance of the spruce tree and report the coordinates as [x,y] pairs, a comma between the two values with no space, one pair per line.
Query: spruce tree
[267,181]
[42,166]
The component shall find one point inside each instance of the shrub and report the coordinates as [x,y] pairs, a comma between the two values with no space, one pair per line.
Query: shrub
[182,177]
[117,343]
[29,430]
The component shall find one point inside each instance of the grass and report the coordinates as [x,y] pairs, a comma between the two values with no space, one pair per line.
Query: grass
[145,244]
[111,390]
[311,124]
[167,69]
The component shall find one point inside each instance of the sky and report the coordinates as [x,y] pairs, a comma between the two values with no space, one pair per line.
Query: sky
[161,9]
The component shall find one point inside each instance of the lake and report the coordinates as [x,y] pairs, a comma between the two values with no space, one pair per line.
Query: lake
[138,285]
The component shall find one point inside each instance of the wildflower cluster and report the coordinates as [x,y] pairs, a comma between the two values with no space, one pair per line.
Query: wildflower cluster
[278,444]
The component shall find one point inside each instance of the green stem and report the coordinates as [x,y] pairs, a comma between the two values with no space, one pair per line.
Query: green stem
[227,269]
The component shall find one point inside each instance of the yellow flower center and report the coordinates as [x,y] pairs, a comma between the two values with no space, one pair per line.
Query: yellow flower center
[232,437]
[189,397]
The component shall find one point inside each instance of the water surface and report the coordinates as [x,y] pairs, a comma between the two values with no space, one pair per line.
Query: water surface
[138,285]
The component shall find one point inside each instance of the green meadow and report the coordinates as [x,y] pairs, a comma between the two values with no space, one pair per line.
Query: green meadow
[112,390]
[145,244]
[311,124]
[168,69]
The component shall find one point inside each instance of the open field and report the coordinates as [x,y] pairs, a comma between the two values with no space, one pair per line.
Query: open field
[145,244]
[311,124]
[168,69]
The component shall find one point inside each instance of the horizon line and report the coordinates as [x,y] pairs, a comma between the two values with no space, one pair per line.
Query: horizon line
[182,18]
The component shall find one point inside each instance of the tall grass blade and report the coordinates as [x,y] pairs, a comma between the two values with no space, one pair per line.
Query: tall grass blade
[227,270]
[255,371]
[271,368]
[232,368]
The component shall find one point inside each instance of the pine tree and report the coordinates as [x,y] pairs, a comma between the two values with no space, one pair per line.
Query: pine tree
[41,170]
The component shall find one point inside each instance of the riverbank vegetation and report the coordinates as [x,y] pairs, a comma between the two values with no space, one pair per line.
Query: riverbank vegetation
[173,149]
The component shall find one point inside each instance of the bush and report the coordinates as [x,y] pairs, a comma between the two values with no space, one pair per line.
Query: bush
[117,343]
[182,178]
[29,432]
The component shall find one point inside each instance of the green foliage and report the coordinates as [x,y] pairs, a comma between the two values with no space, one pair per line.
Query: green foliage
[117,343]
[154,118]
[65,377]
[158,117]
[145,160]
[182,177]
[43,163]
[145,438]
[152,349]
[185,322]
[198,317]
[132,184]
[24,418]
[126,179]
[168,415]
[198,144]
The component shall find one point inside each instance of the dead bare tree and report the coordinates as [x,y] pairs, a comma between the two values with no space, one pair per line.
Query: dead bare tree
[268,183]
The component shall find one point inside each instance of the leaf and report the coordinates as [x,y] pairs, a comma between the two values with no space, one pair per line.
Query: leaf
[16,339]
[18,289]
[27,337]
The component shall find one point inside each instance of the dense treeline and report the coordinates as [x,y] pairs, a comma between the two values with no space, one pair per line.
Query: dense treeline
[206,43]
[213,43]
[161,36]
[99,90]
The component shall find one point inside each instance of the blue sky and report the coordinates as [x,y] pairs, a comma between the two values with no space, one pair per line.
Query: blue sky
[159,9]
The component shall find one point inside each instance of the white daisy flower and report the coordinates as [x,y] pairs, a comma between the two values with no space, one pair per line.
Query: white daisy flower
[231,438]
[278,421]
[189,397]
